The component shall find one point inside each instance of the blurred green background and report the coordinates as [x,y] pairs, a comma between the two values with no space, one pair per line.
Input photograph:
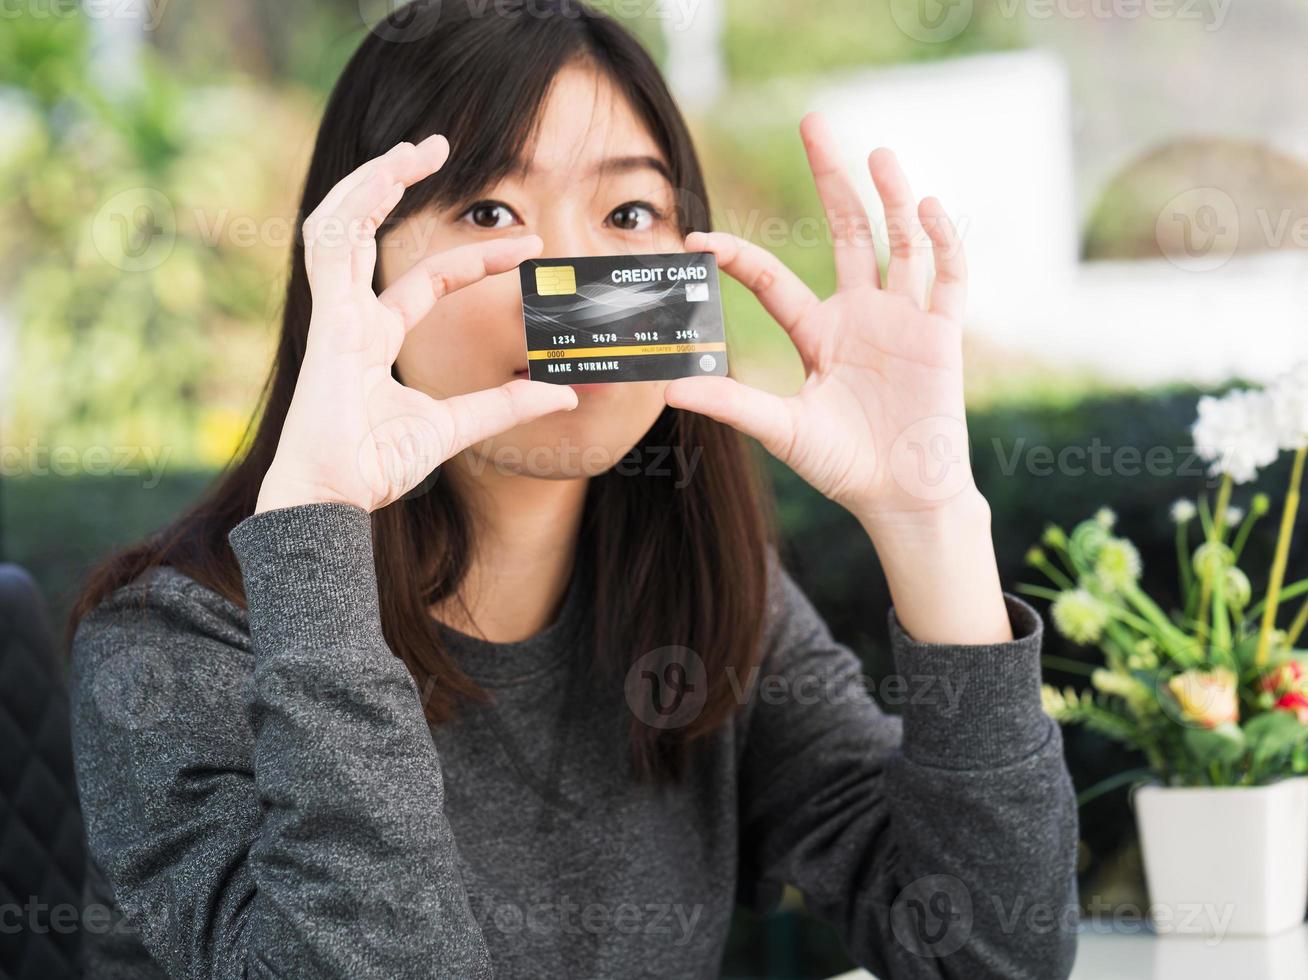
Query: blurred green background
[126,390]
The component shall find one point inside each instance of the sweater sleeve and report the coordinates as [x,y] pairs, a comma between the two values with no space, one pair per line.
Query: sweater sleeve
[939,843]
[270,804]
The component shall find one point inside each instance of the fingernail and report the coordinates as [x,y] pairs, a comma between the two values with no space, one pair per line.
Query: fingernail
[427,143]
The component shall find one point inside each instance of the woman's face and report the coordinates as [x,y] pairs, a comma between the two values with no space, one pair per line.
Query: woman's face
[587,192]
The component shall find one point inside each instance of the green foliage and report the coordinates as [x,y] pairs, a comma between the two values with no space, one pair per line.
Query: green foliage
[43,56]
[1093,712]
[138,316]
[1275,735]
[1224,744]
[787,37]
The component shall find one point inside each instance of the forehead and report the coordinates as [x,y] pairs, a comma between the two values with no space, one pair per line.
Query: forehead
[585,119]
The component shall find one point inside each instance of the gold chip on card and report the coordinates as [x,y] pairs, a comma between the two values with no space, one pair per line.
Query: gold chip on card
[556,280]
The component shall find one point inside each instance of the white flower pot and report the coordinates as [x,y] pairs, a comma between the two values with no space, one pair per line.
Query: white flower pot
[1225,861]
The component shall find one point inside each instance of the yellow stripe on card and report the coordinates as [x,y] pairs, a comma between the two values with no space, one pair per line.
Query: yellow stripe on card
[572,353]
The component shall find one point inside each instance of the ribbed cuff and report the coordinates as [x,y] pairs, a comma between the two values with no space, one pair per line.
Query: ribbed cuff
[310,581]
[973,706]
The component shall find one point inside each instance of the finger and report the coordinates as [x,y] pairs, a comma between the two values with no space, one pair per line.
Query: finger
[760,414]
[345,247]
[906,272]
[478,415]
[949,291]
[782,293]
[403,163]
[856,257]
[414,293]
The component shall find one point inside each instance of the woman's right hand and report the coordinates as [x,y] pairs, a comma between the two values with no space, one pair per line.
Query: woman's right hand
[353,434]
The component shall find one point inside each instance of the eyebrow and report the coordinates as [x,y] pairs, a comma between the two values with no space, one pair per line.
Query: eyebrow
[615,165]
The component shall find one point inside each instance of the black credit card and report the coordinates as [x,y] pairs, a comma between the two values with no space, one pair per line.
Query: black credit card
[600,318]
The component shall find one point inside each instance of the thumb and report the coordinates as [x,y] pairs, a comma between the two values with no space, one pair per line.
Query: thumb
[760,414]
[478,415]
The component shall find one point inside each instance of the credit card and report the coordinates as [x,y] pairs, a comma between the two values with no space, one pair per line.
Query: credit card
[609,318]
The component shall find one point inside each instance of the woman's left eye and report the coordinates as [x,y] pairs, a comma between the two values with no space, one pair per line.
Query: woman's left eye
[628,216]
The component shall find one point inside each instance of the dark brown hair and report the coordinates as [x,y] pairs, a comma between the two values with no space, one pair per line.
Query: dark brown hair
[679,558]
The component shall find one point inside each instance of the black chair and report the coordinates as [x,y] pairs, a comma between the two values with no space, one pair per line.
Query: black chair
[41,837]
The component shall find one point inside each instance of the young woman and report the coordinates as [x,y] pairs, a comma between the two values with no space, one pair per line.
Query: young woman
[457,674]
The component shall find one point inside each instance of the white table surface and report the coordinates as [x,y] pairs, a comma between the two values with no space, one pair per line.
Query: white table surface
[1137,954]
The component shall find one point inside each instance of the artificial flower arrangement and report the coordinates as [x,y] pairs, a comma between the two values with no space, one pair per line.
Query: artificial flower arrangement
[1214,693]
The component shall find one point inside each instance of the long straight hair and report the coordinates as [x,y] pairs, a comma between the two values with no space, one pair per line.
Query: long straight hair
[679,556]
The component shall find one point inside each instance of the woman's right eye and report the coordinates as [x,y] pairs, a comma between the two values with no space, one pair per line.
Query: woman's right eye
[489,214]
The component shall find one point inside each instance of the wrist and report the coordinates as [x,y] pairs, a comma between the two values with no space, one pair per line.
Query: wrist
[940,566]
[278,491]
[966,514]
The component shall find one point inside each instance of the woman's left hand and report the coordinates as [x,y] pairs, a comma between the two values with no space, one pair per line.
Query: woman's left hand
[878,425]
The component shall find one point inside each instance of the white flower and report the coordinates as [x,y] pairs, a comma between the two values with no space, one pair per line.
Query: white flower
[1238,589]
[1237,433]
[1125,686]
[1117,566]
[1184,511]
[1289,394]
[1079,616]
[1212,558]
[1106,517]
[1234,515]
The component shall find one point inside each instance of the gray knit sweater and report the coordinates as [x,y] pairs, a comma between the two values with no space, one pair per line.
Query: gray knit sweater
[263,796]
